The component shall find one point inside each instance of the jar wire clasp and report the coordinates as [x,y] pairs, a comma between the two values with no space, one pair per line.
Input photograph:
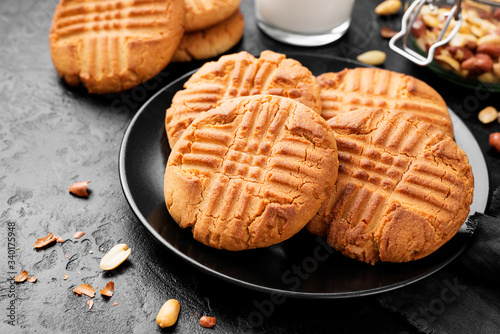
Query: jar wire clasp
[408,20]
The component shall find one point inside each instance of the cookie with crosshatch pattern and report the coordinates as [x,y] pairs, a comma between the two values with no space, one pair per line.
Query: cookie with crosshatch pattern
[212,41]
[251,172]
[374,88]
[202,14]
[114,45]
[404,188]
[240,74]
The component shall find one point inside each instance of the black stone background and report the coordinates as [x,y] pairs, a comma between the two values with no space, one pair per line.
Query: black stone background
[52,135]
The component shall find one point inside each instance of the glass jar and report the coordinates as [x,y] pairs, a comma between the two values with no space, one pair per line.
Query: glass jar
[472,57]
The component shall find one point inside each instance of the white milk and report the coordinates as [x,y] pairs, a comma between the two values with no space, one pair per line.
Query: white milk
[305,16]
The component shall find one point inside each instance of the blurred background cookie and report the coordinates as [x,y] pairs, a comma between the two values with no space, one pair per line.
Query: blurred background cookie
[201,14]
[251,172]
[212,41]
[240,74]
[114,45]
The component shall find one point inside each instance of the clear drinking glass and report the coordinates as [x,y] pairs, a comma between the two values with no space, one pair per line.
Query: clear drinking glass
[304,22]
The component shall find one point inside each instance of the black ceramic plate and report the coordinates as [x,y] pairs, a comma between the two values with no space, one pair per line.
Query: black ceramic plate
[302,266]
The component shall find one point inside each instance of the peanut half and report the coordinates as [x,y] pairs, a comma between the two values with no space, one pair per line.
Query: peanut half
[374,57]
[489,39]
[488,115]
[388,7]
[115,257]
[451,62]
[168,313]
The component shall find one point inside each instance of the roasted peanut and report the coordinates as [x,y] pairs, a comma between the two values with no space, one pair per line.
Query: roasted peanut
[489,39]
[496,14]
[449,61]
[495,141]
[478,64]
[496,69]
[207,322]
[464,29]
[168,314]
[483,56]
[387,32]
[115,257]
[388,7]
[491,49]
[471,45]
[426,10]
[464,73]
[488,77]
[470,64]
[418,27]
[488,27]
[484,25]
[488,115]
[432,21]
[460,53]
[476,31]
[374,57]
[474,20]
[458,40]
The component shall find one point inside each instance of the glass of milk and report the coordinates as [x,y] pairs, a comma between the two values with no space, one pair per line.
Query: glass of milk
[304,22]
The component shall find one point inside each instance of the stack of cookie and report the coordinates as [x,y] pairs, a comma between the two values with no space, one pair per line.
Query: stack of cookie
[253,162]
[115,45]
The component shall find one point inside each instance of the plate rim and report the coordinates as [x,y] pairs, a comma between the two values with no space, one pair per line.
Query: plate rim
[289,293]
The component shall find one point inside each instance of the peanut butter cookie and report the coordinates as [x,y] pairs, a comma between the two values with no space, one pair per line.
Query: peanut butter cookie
[404,188]
[374,88]
[240,74]
[251,172]
[114,45]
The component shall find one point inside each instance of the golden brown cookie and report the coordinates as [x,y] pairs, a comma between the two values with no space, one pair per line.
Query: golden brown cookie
[404,188]
[210,42]
[373,88]
[114,45]
[240,74]
[251,172]
[201,14]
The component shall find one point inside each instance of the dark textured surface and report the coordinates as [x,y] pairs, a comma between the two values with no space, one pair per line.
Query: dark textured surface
[52,135]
